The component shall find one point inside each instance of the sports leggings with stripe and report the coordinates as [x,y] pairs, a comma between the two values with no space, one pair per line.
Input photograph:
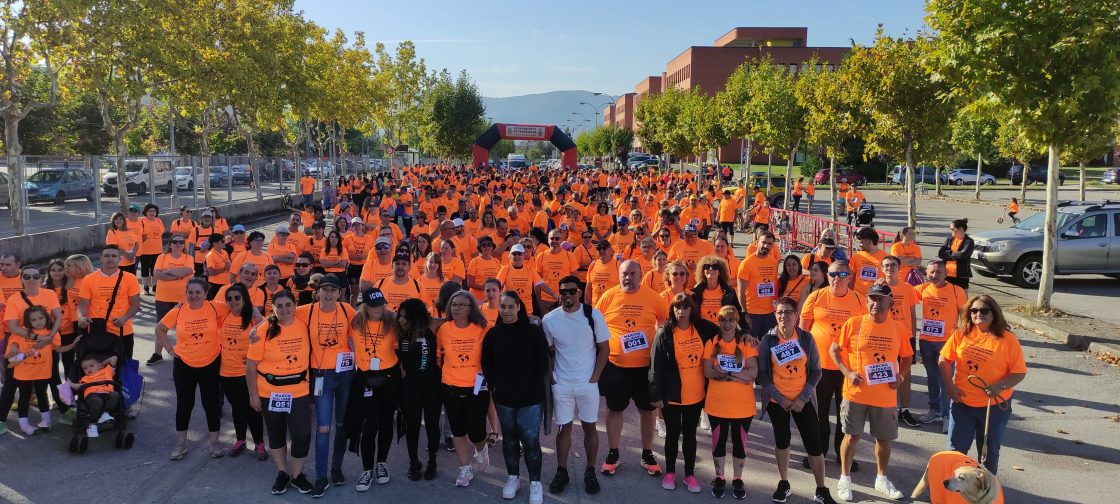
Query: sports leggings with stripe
[736,429]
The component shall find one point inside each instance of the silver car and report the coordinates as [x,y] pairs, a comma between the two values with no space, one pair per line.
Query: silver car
[1088,243]
[4,197]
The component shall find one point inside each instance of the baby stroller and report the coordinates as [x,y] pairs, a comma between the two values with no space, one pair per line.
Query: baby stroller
[79,440]
[865,215]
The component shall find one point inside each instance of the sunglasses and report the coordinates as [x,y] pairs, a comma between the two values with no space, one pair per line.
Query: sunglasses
[516,253]
[708,267]
[586,237]
[238,232]
[665,236]
[838,274]
[974,311]
[569,292]
[177,242]
[233,297]
[382,246]
[32,276]
[302,265]
[601,248]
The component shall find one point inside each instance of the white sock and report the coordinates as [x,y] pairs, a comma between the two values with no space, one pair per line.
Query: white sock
[24,422]
[880,477]
[846,479]
[45,419]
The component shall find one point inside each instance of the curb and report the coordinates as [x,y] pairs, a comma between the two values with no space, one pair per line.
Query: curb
[1071,340]
[969,201]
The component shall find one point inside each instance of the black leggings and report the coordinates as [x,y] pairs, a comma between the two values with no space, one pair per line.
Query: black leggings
[829,391]
[379,408]
[236,391]
[206,380]
[804,419]
[420,401]
[681,421]
[736,429]
[466,412]
[25,388]
[297,424]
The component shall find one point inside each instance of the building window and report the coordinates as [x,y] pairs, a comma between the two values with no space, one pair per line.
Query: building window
[793,68]
[818,67]
[831,67]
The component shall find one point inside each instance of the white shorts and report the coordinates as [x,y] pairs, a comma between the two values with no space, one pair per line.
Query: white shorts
[568,400]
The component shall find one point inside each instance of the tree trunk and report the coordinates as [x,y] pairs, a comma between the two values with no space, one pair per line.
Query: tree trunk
[789,178]
[979,173]
[119,150]
[252,146]
[1081,184]
[1050,231]
[1023,182]
[745,170]
[769,166]
[15,176]
[937,182]
[832,187]
[204,150]
[911,199]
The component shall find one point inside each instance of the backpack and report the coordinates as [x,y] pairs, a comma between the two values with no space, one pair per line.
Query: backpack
[591,322]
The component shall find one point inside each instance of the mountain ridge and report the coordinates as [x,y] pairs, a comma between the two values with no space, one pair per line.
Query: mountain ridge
[552,108]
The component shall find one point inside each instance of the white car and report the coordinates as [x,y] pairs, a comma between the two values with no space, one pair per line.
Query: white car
[962,176]
[183,178]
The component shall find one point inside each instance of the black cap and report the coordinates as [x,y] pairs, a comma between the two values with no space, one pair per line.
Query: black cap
[330,279]
[879,290]
[373,297]
[402,257]
[602,244]
[828,242]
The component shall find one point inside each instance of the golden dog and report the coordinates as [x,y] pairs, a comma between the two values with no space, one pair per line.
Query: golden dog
[958,479]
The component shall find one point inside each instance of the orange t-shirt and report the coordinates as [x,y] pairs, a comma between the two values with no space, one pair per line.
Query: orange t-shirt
[941,307]
[16,306]
[942,466]
[655,280]
[872,349]
[197,342]
[332,254]
[358,248]
[601,277]
[276,249]
[262,260]
[454,268]
[395,294]
[632,319]
[903,251]
[126,240]
[218,259]
[235,344]
[285,354]
[729,399]
[727,208]
[199,236]
[481,269]
[375,346]
[828,313]
[460,350]
[552,267]
[37,364]
[103,374]
[789,377]
[867,268]
[689,351]
[329,332]
[373,271]
[151,241]
[690,253]
[760,274]
[429,288]
[951,266]
[307,185]
[97,287]
[520,280]
[711,302]
[173,291]
[987,356]
[902,309]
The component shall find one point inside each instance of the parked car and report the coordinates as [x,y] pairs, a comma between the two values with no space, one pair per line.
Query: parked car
[922,174]
[4,198]
[962,176]
[843,176]
[183,179]
[1088,242]
[1111,176]
[777,187]
[59,185]
[242,175]
[1036,174]
[139,177]
[219,176]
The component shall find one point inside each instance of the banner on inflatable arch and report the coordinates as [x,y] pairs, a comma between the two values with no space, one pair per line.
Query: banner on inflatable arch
[480,151]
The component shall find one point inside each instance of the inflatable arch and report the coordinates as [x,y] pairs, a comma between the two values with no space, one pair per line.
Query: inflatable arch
[480,151]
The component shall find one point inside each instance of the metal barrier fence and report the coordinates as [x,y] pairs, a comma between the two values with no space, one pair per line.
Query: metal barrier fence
[805,230]
[58,192]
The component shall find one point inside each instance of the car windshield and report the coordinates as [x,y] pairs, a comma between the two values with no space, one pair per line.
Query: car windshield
[182,171]
[133,167]
[1037,222]
[217,169]
[48,177]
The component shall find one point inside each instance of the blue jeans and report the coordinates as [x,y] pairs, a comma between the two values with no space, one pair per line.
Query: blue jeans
[966,424]
[521,427]
[938,399]
[336,393]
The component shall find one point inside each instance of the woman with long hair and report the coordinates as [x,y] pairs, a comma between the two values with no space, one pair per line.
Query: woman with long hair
[151,245]
[677,384]
[460,348]
[378,382]
[451,265]
[58,281]
[791,281]
[654,278]
[723,250]
[906,249]
[818,279]
[677,277]
[730,365]
[420,387]
[128,240]
[515,361]
[420,249]
[713,290]
[234,335]
[957,254]
[432,278]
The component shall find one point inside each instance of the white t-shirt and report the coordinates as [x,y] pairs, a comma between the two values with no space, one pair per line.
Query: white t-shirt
[570,334]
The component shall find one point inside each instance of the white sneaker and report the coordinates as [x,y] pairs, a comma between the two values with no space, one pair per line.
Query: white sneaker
[660,428]
[482,459]
[536,492]
[885,487]
[513,484]
[844,489]
[105,417]
[929,417]
[704,423]
[91,431]
[465,476]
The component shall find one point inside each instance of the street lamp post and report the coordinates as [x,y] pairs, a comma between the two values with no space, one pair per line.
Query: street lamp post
[584,116]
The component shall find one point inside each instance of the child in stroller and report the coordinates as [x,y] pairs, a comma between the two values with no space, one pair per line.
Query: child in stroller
[99,404]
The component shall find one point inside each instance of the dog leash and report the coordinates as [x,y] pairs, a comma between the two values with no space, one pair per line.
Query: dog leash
[979,383]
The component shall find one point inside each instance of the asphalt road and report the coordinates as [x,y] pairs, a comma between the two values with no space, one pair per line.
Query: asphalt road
[1062,446]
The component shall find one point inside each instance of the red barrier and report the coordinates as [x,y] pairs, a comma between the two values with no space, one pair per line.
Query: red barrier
[805,230]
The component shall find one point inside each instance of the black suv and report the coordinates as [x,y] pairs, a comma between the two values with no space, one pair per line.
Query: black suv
[1037,174]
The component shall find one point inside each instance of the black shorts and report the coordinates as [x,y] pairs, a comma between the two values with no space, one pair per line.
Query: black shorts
[466,412]
[148,264]
[621,385]
[354,273]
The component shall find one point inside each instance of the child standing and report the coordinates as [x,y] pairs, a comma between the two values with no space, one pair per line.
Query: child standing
[32,370]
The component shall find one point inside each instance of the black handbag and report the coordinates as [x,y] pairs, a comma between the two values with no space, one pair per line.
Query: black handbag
[98,338]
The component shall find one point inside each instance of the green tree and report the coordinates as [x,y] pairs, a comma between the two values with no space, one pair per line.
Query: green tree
[650,124]
[973,131]
[1011,142]
[672,132]
[831,115]
[778,117]
[1090,145]
[453,115]
[1054,66]
[401,79]
[908,112]
[731,104]
[702,122]
[502,149]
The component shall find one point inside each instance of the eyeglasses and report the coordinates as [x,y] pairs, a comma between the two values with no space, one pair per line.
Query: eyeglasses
[32,276]
[238,232]
[569,292]
[178,242]
[838,274]
[665,235]
[586,237]
[974,311]
[784,312]
[233,297]
[601,248]
[382,246]
[302,265]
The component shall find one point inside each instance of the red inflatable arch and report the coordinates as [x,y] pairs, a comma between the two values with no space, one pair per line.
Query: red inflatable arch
[480,151]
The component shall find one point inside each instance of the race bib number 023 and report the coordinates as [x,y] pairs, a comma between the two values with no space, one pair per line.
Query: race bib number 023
[879,373]
[634,341]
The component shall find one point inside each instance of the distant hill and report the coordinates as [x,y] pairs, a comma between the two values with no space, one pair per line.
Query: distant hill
[554,107]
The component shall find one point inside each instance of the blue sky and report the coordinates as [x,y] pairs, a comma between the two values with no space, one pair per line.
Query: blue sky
[512,48]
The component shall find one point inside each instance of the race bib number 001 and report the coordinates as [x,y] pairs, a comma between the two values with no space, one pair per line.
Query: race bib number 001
[728,363]
[280,402]
[878,374]
[344,361]
[933,328]
[787,352]
[634,341]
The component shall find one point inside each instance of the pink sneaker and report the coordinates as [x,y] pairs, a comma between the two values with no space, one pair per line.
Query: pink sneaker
[692,484]
[669,481]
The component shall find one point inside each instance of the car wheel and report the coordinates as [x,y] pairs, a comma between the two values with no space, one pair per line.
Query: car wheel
[60,198]
[170,187]
[90,196]
[1028,271]
[958,182]
[142,190]
[990,182]
[190,186]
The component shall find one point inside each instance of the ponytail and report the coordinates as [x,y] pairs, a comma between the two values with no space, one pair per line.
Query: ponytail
[273,326]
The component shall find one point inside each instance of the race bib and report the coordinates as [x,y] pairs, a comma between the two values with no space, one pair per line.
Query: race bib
[375,363]
[765,290]
[933,328]
[728,363]
[869,273]
[634,341]
[787,352]
[344,361]
[280,402]
[479,383]
[879,373]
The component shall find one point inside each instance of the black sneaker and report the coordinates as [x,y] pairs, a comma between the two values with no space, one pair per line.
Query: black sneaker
[739,489]
[301,484]
[449,444]
[320,489]
[337,478]
[719,487]
[414,469]
[649,462]
[610,464]
[559,481]
[782,492]
[805,463]
[281,484]
[823,497]
[154,359]
[590,481]
[430,470]
[905,417]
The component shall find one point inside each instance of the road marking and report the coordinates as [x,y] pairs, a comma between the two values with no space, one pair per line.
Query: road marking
[9,495]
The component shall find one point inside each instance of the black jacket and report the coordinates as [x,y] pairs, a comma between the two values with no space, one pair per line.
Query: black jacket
[418,359]
[664,375]
[515,362]
[729,298]
[963,257]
